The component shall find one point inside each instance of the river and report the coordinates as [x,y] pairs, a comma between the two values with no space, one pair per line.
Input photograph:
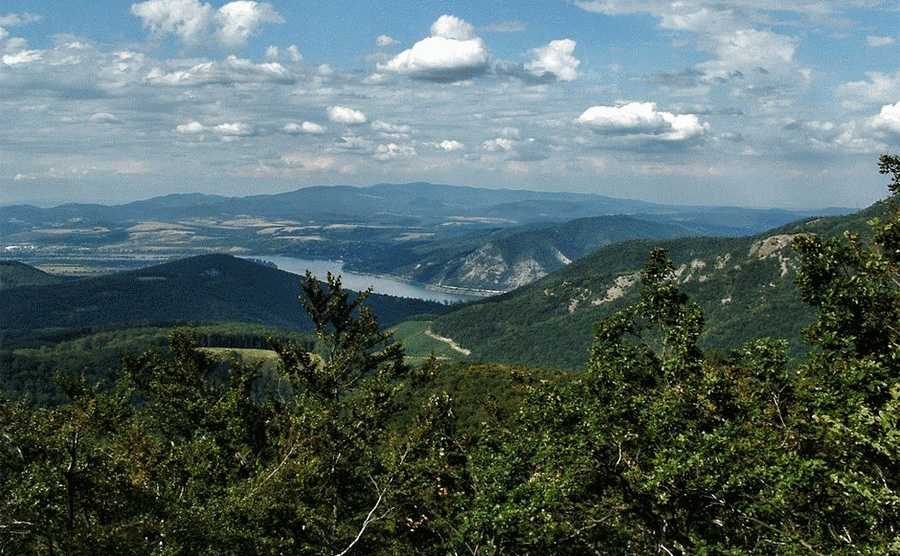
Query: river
[358,281]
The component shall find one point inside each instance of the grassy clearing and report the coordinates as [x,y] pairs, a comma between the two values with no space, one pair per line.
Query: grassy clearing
[419,345]
[251,356]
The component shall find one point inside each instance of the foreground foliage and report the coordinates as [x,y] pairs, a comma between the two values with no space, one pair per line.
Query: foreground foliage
[655,448]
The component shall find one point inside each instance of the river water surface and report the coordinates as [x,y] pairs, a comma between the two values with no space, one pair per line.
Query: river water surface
[359,281]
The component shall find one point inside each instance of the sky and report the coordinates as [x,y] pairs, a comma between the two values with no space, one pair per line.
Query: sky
[764,103]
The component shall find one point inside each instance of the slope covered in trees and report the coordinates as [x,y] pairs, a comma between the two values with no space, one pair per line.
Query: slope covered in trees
[510,258]
[207,288]
[745,287]
[655,447]
[14,274]
[30,363]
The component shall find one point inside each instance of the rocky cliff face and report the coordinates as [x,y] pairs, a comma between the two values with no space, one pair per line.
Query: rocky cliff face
[491,268]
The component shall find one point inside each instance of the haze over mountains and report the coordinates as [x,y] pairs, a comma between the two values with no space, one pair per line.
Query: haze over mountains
[562,273]
[419,200]
[735,280]
[449,236]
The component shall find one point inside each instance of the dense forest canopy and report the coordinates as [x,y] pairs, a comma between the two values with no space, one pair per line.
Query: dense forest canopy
[654,447]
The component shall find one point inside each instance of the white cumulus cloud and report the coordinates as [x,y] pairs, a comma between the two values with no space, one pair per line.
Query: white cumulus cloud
[888,119]
[226,131]
[452,27]
[747,50]
[451,53]
[642,118]
[392,151]
[294,53]
[384,40]
[346,115]
[191,20]
[556,59]
[499,144]
[449,145]
[230,70]
[879,88]
[190,128]
[104,118]
[22,57]
[876,41]
[187,19]
[311,128]
[240,20]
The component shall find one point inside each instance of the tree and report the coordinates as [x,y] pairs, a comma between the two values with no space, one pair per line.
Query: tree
[655,448]
[340,479]
[850,387]
[188,454]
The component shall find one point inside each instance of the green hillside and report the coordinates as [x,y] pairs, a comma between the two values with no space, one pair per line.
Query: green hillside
[513,257]
[14,274]
[744,285]
[208,288]
[28,365]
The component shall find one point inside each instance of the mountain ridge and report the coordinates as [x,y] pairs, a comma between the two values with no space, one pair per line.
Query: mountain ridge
[173,199]
[733,279]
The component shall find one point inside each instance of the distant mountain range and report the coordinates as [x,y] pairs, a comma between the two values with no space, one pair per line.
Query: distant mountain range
[546,323]
[206,288]
[421,202]
[463,237]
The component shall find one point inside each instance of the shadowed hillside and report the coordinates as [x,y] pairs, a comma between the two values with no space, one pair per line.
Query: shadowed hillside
[14,274]
[208,288]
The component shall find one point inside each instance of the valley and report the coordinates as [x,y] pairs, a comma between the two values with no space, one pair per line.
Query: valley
[464,274]
[557,277]
[745,287]
[499,292]
[458,240]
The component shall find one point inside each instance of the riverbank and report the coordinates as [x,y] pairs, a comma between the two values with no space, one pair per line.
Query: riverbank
[380,283]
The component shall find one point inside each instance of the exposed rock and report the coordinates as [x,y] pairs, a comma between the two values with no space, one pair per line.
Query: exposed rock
[562,258]
[525,272]
[771,245]
[487,265]
[722,261]
[618,289]
[581,294]
[784,265]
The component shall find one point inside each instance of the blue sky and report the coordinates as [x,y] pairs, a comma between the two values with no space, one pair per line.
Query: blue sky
[757,103]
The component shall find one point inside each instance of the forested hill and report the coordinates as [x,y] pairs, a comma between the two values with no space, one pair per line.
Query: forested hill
[513,257]
[14,274]
[207,288]
[744,285]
